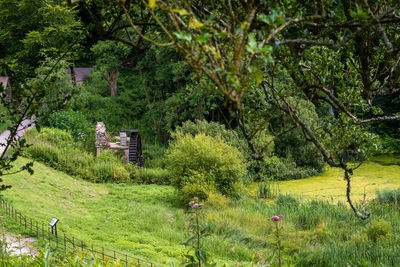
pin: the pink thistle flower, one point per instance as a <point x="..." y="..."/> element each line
<point x="275" y="218"/>
<point x="197" y="205"/>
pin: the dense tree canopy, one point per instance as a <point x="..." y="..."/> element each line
<point x="338" y="55"/>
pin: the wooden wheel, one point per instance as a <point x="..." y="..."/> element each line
<point x="135" y="149"/>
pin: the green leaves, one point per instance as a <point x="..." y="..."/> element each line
<point x="251" y="44"/>
<point x="203" y="37"/>
<point x="183" y="36"/>
<point x="258" y="77"/>
<point x="275" y="17"/>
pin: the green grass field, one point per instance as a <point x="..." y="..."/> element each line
<point x="147" y="221"/>
<point x="381" y="172"/>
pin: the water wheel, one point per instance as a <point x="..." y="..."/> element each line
<point x="135" y="148"/>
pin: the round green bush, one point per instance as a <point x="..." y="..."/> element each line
<point x="201" y="164"/>
<point x="378" y="229"/>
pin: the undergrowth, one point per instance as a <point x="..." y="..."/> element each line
<point x="58" y="149"/>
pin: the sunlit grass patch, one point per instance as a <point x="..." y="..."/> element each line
<point x="330" y="185"/>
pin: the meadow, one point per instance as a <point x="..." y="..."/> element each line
<point x="147" y="220"/>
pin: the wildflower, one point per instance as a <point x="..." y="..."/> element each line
<point x="275" y="218"/>
<point x="197" y="205"/>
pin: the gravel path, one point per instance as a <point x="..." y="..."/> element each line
<point x="20" y="246"/>
<point x="23" y="127"/>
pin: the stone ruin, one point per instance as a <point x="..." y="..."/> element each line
<point x="132" y="149"/>
<point x="102" y="139"/>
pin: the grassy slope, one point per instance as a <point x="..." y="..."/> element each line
<point x="139" y="219"/>
<point x="144" y="220"/>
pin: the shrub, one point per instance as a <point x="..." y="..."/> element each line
<point x="212" y="129"/>
<point x="202" y="164"/>
<point x="152" y="176"/>
<point x="286" y="169"/>
<point x="71" y="121"/>
<point x="390" y="196"/>
<point x="378" y="229"/>
<point x="293" y="146"/>
<point x="154" y="156"/>
<point x="52" y="136"/>
<point x="389" y="144"/>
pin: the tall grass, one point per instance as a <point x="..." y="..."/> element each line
<point x="147" y="221"/>
<point x="57" y="149"/>
<point x="389" y="196"/>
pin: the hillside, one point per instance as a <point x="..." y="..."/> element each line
<point x="146" y="220"/>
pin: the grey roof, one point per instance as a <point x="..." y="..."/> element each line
<point x="81" y="74"/>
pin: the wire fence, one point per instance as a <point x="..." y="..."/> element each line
<point x="63" y="241"/>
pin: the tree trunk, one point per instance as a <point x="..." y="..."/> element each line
<point x="73" y="74"/>
<point x="199" y="109"/>
<point x="111" y="78"/>
<point x="113" y="82"/>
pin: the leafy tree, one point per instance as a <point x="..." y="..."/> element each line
<point x="337" y="53"/>
<point x="59" y="88"/>
<point x="109" y="56"/>
<point x="31" y="31"/>
<point x="35" y="36"/>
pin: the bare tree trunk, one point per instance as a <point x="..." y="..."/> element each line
<point x="113" y="82"/>
<point x="199" y="109"/>
<point x="111" y="78"/>
<point x="73" y="74"/>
